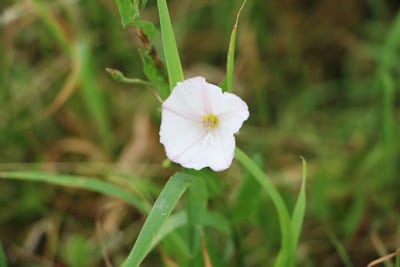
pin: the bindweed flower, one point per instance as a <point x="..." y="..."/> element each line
<point x="198" y="123"/>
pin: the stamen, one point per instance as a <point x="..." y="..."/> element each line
<point x="210" y="121"/>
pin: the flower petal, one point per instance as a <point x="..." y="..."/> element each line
<point x="185" y="98"/>
<point x="178" y="133"/>
<point x="234" y="112"/>
<point x="213" y="150"/>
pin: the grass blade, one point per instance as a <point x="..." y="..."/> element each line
<point x="197" y="210"/>
<point x="286" y="255"/>
<point x="387" y="56"/>
<point x="300" y="207"/>
<point x="77" y="182"/>
<point x="173" y="222"/>
<point x="93" y="97"/>
<point x="340" y="248"/>
<point x="162" y="208"/>
<point x="231" y="52"/>
<point x="3" y="259"/>
<point x="172" y="60"/>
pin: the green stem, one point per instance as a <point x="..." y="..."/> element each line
<point x="119" y="76"/>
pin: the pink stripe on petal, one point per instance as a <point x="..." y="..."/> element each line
<point x="176" y="159"/>
<point x="206" y="100"/>
<point x="187" y="116"/>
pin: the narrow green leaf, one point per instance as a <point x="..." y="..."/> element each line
<point x="231" y="52"/>
<point x="287" y="253"/>
<point x="172" y="60"/>
<point x="162" y="208"/>
<point x="77" y="182"/>
<point x="247" y="200"/>
<point x="52" y="24"/>
<point x="3" y="259"/>
<point x="128" y="10"/>
<point x="231" y="61"/>
<point x="389" y="140"/>
<point x="93" y="96"/>
<point x="211" y="219"/>
<point x="197" y="209"/>
<point x="387" y="57"/>
<point x="340" y="248"/>
<point x="172" y="223"/>
<point x="175" y="246"/>
<point x="300" y="206"/>
<point x="76" y="251"/>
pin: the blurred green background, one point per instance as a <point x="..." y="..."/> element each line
<point x="321" y="79"/>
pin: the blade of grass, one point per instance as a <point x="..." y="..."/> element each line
<point x="172" y="60"/>
<point x="248" y="197"/>
<point x="389" y="129"/>
<point x="3" y="259"/>
<point x="173" y="222"/>
<point x="197" y="209"/>
<point x="78" y="182"/>
<point x="300" y="207"/>
<point x="174" y="246"/>
<point x="287" y="252"/>
<point x="387" y="57"/>
<point x="93" y="98"/>
<point x="341" y="250"/>
<point x="52" y="24"/>
<point x="162" y="208"/>
<point x="231" y="52"/>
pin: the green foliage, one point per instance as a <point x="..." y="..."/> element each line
<point x="289" y="229"/>
<point x="300" y="207"/>
<point x="3" y="259"/>
<point x="173" y="62"/>
<point x="129" y="11"/>
<point x="77" y="182"/>
<point x="231" y="53"/>
<point x="197" y="209"/>
<point x="154" y="74"/>
<point x="321" y="81"/>
<point x="158" y="215"/>
<point x="93" y="97"/>
<point x="78" y="252"/>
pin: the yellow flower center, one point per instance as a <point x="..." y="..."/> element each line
<point x="210" y="121"/>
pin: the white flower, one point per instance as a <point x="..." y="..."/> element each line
<point x="198" y="123"/>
